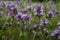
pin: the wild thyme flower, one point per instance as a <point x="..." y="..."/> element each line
<point x="2" y="4"/>
<point x="52" y="6"/>
<point x="14" y="10"/>
<point x="11" y="14"/>
<point x="35" y="25"/>
<point x="45" y="29"/>
<point x="39" y="11"/>
<point x="50" y="14"/>
<point x="18" y="16"/>
<point x="9" y="4"/>
<point x="43" y="22"/>
<point x="56" y="33"/>
<point x="25" y="17"/>
<point x="24" y="10"/>
<point x="40" y="8"/>
<point x="57" y="11"/>
<point x="52" y="34"/>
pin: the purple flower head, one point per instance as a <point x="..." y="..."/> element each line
<point x="24" y="10"/>
<point x="52" y="34"/>
<point x="55" y="33"/>
<point x="39" y="11"/>
<point x="40" y="8"/>
<point x="25" y="17"/>
<point x="43" y="22"/>
<point x="56" y="11"/>
<point x="35" y="25"/>
<point x="18" y="16"/>
<point x="10" y="4"/>
<point x="45" y="29"/>
<point x="2" y="4"/>
<point x="11" y="14"/>
<point x="52" y="6"/>
<point x="14" y="10"/>
<point x="50" y="14"/>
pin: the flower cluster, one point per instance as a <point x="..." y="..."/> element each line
<point x="22" y="16"/>
<point x="39" y="10"/>
<point x="34" y="17"/>
<point x="50" y="14"/>
<point x="56" y="33"/>
<point x="43" y="22"/>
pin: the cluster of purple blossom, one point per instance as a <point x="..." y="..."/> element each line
<point x="38" y="11"/>
<point x="56" y="33"/>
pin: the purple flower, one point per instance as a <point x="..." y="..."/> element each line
<point x="24" y="10"/>
<point x="2" y="4"/>
<point x="25" y="17"/>
<point x="18" y="16"/>
<point x="56" y="11"/>
<point x="14" y="10"/>
<point x="43" y="22"/>
<point x="40" y="8"/>
<point x="9" y="4"/>
<point x="55" y="33"/>
<point x="35" y="25"/>
<point x="50" y="14"/>
<point x="45" y="29"/>
<point x="52" y="34"/>
<point x="39" y="11"/>
<point x="52" y="5"/>
<point x="11" y="14"/>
